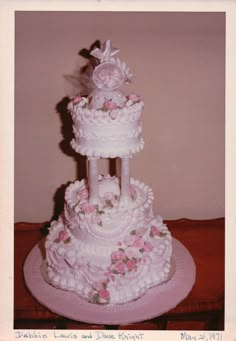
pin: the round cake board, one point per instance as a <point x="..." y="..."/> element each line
<point x="157" y="301"/>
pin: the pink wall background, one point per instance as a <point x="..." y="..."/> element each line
<point x="178" y="62"/>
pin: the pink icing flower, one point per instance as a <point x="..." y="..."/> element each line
<point x="97" y="285"/>
<point x="109" y="105"/>
<point x="118" y="255"/>
<point x="104" y="294"/>
<point x="87" y="208"/>
<point x="131" y="252"/>
<point x="63" y="235"/>
<point x="120" y="267"/>
<point x="83" y="193"/>
<point x="155" y="231"/>
<point x="133" y="97"/>
<point x="148" y="247"/>
<point x="138" y="242"/>
<point x="129" y="240"/>
<point x="76" y="99"/>
<point x="130" y="264"/>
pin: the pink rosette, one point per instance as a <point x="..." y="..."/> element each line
<point x="83" y="193"/>
<point x="104" y="294"/>
<point x="76" y="99"/>
<point x="133" y="97"/>
<point x="155" y="231"/>
<point x="110" y="105"/>
<point x="118" y="255"/>
<point x="139" y="243"/>
<point x="63" y="235"/>
<point x="148" y="247"/>
<point x="87" y="208"/>
<point x="129" y="240"/>
<point x="132" y="252"/>
<point x="119" y="267"/>
<point x="130" y="264"/>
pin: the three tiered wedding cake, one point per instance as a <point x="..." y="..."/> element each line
<point x="107" y="246"/>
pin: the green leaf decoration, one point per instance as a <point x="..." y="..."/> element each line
<point x="99" y="211"/>
<point x="57" y="240"/>
<point x="141" y="250"/>
<point x="151" y="234"/>
<point x="115" y="272"/>
<point x="67" y="240"/>
<point x="133" y="232"/>
<point x="96" y="298"/>
<point x="163" y="234"/>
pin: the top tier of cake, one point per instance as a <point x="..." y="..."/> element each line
<point x="107" y="123"/>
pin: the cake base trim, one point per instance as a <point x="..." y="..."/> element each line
<point x="157" y="301"/>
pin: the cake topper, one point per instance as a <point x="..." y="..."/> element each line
<point x="108" y="76"/>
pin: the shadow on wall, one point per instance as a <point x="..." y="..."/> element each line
<point x="80" y="160"/>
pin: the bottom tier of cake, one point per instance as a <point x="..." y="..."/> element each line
<point x="112" y="273"/>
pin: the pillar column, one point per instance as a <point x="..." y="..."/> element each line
<point x="125" y="180"/>
<point x="93" y="181"/>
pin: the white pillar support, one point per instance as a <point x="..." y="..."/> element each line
<point x="125" y="181"/>
<point x="93" y="181"/>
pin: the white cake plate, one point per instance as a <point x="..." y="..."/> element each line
<point x="155" y="302"/>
